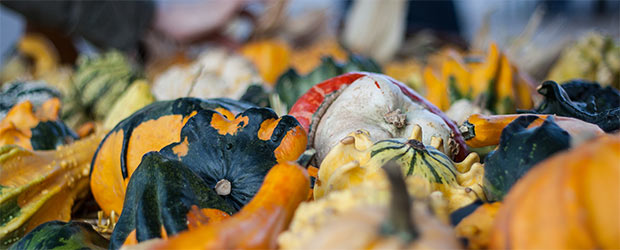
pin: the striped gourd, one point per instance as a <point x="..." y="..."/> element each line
<point x="356" y="160"/>
<point x="97" y="83"/>
<point x="15" y="92"/>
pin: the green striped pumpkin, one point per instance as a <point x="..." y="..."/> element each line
<point x="97" y="83"/>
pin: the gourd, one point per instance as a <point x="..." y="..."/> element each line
<point x="356" y="160"/>
<point x="62" y="235"/>
<point x="271" y="57"/>
<point x="97" y="83"/>
<point x="408" y="72"/>
<point x="490" y="80"/>
<point x="159" y="198"/>
<point x="258" y="224"/>
<point x="16" y="92"/>
<point x="476" y="227"/>
<point x="582" y="100"/>
<point x="375" y="103"/>
<point x="306" y="59"/>
<point x="136" y="97"/>
<point x="205" y="135"/>
<point x="291" y="85"/>
<point x="40" y="186"/>
<point x="39" y="130"/>
<point x="519" y="149"/>
<point x="368" y="218"/>
<point x="570" y="200"/>
<point x="215" y="73"/>
<point x="485" y="130"/>
<point x="594" y="57"/>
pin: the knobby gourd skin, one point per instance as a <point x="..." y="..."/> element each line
<point x="40" y="186"/>
<point x="206" y="136"/>
<point x="568" y="201"/>
<point x="370" y="217"/>
<point x="259" y="223"/>
<point x="357" y="160"/>
<point x="39" y="130"/>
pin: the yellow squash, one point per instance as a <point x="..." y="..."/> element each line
<point x="357" y="160"/>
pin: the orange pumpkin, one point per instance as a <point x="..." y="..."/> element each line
<point x="571" y="200"/>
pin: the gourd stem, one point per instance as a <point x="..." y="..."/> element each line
<point x="306" y="157"/>
<point x="223" y="187"/>
<point x="400" y="221"/>
<point x="467" y="130"/>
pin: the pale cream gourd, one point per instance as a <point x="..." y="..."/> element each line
<point x="377" y="106"/>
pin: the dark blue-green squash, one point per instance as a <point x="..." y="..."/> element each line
<point x="160" y="193"/>
<point x="62" y="235"/>
<point x="230" y="154"/>
<point x="585" y="101"/>
<point x="48" y="135"/>
<point x="519" y="150"/>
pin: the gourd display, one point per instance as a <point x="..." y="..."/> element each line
<point x="215" y="73"/>
<point x="582" y="100"/>
<point x="205" y="135"/>
<point x="16" y="92"/>
<point x="97" y="83"/>
<point x="570" y="200"/>
<point x="283" y="137"/>
<point x="258" y="224"/>
<point x="385" y="108"/>
<point x="39" y="130"/>
<point x="368" y="218"/>
<point x="490" y="80"/>
<point x="62" y="235"/>
<point x="356" y="160"/>
<point x="40" y="186"/>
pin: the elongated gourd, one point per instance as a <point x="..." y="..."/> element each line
<point x="485" y="130"/>
<point x="40" y="186"/>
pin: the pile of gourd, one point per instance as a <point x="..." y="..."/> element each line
<point x="196" y="157"/>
